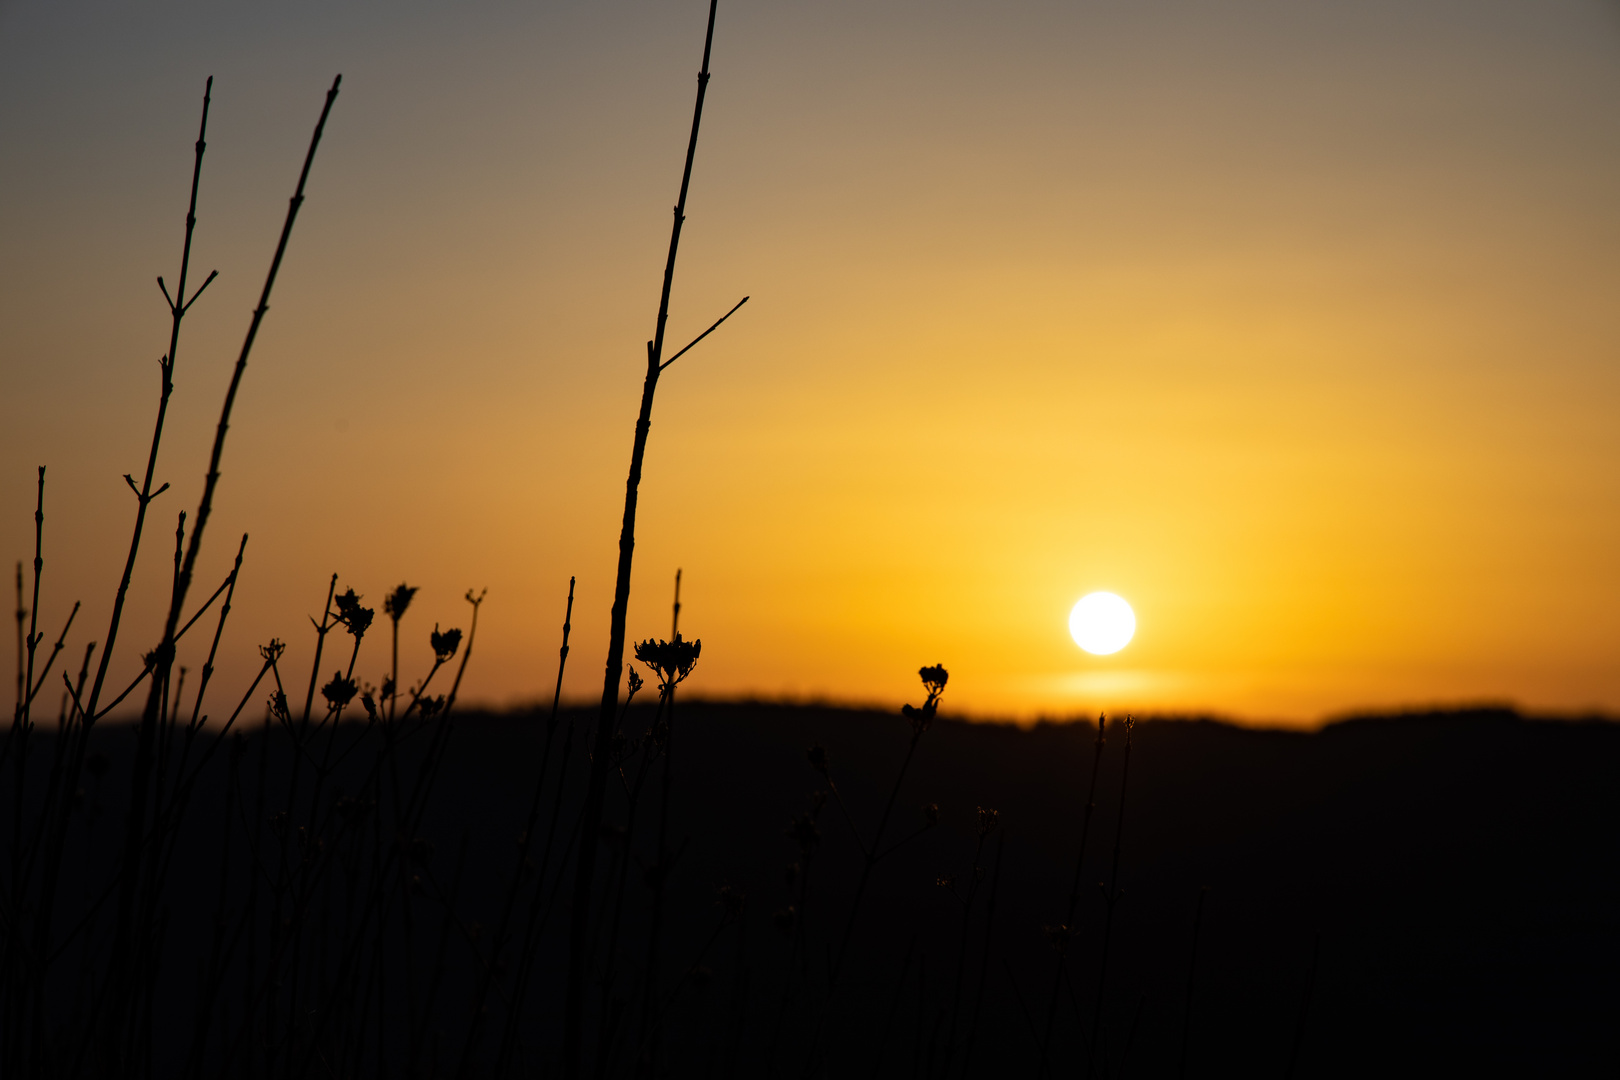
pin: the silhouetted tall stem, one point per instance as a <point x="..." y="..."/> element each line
<point x="178" y="306"/>
<point x="984" y="958"/>
<point x="123" y="936"/>
<point x="585" y="873"/>
<point x="1112" y="897"/>
<point x="539" y="910"/>
<point x="871" y="861"/>
<point x="21" y="614"/>
<point x="498" y="942"/>
<point x="871" y="858"/>
<point x="33" y="614"/>
<point x="55" y="816"/>
<point x="617" y="878"/>
<point x="649" y="1029"/>
<point x="323" y="628"/>
<point x="1074" y="897"/>
<point x="219" y="630"/>
<point x="961" y="954"/>
<point x="985" y="825"/>
<point x="649" y="1033"/>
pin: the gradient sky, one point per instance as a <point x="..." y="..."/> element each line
<point x="1296" y="324"/>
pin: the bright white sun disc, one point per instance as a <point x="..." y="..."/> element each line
<point x="1102" y="623"/>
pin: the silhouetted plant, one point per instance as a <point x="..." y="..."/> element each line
<point x="116" y="1021"/>
<point x="1060" y="934"/>
<point x="525" y="841"/>
<point x="394" y="606"/>
<point x="585" y="869"/>
<point x="933" y="679"/>
<point x="1111" y="898"/>
<point x="339" y="692"/>
<point x="986" y="824"/>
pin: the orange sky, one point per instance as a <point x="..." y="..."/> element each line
<point x="1293" y="324"/>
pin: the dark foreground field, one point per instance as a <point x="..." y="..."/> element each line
<point x="1457" y="877"/>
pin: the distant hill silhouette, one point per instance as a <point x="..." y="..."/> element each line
<point x="1461" y="868"/>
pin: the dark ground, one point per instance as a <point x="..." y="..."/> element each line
<point x="1458" y="875"/>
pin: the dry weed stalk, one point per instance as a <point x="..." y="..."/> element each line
<point x="116" y="1005"/>
<point x="591" y="819"/>
<point x="1063" y="933"/>
<point x="1111" y="896"/>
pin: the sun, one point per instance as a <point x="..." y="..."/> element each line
<point x="1102" y="623"/>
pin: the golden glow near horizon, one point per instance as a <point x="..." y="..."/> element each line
<point x="1293" y="324"/>
<point x="1102" y="623"/>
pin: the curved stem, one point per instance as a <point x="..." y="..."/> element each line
<point x="585" y="872"/>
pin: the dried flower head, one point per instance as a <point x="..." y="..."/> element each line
<point x="987" y="821"/>
<point x="370" y="705"/>
<point x="395" y="603"/>
<point x="444" y="644"/>
<point x="635" y="683"/>
<point x="340" y="691"/>
<point x="671" y="661"/>
<point x="272" y="652"/>
<point x="279" y="707"/>
<point x="428" y="706"/>
<point x="934" y="679"/>
<point x="818" y="758"/>
<point x="1058" y="938"/>
<point x="945" y="881"/>
<point x="803" y="832"/>
<point x="355" y="618"/>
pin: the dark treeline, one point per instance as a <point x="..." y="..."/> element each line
<point x="1454" y="874"/>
